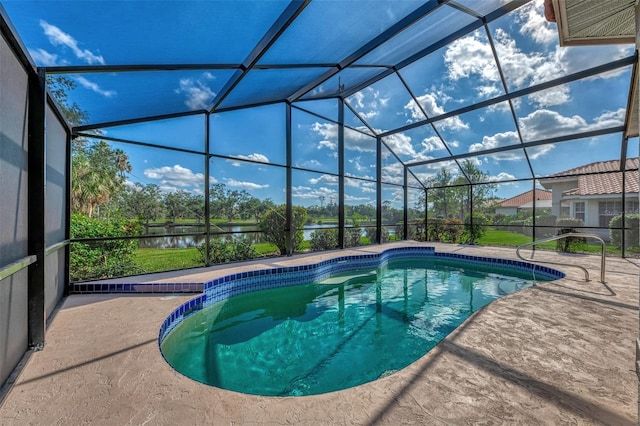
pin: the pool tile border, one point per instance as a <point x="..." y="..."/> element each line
<point x="244" y="282"/>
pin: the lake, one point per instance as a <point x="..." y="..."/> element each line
<point x="251" y="232"/>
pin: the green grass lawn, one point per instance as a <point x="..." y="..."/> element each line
<point x="495" y="237"/>
<point x="154" y="260"/>
<point x="265" y="249"/>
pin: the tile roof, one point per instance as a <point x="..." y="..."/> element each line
<point x="593" y="178"/>
<point x="608" y="183"/>
<point x="598" y="167"/>
<point x="526" y="197"/>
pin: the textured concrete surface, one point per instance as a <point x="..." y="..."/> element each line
<point x="558" y="353"/>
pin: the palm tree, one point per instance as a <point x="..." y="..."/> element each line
<point x="97" y="174"/>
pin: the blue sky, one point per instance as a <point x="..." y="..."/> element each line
<point x="455" y="76"/>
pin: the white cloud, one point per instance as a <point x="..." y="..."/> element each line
<point x="353" y="140"/>
<point x="245" y="185"/>
<point x="576" y="58"/>
<point x="347" y="174"/>
<point x="610" y="119"/>
<point x="94" y="87"/>
<point x="543" y="123"/>
<point x="57" y="37"/>
<point x="488" y="91"/>
<point x="329" y="134"/>
<point x="357" y="164"/>
<point x="400" y="144"/>
<point x="495" y="141"/>
<point x="429" y="103"/>
<point x="509" y="139"/>
<point x="558" y="95"/>
<point x="533" y="23"/>
<point x="393" y="173"/>
<point x="367" y="102"/>
<point x="174" y="177"/>
<point x="520" y="68"/>
<point x="432" y="143"/>
<point x="44" y="58"/>
<point x="353" y="198"/>
<point x="501" y="177"/>
<point x="331" y="146"/>
<point x="304" y="192"/>
<point x="311" y="164"/>
<point x="327" y="179"/>
<point x="363" y="186"/>
<point x="471" y="56"/>
<point x="197" y="91"/>
<point x="357" y="141"/>
<point x="253" y="157"/>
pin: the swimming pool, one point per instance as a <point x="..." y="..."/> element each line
<point x="332" y="325"/>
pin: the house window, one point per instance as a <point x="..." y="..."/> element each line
<point x="610" y="209"/>
<point x="578" y="212"/>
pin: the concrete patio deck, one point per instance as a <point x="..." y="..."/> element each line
<point x="558" y="353"/>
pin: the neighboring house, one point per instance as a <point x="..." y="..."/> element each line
<point x="593" y="192"/>
<point x="524" y="202"/>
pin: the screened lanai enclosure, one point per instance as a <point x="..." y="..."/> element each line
<point x="141" y="137"/>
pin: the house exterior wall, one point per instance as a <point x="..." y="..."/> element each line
<point x="556" y="194"/>
<point x="509" y="211"/>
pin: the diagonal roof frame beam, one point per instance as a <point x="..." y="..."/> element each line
<point x="76" y="69"/>
<point x="288" y="16"/>
<point x="424" y="10"/>
<point x="433" y="127"/>
<point x="510" y="100"/>
<point x="94" y="69"/>
<point x="498" y="13"/>
<point x="620" y="63"/>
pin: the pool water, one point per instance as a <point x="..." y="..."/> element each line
<point x="343" y="331"/>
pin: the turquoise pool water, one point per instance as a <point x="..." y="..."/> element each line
<point x="345" y="330"/>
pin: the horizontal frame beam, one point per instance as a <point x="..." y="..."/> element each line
<point x="16" y="266"/>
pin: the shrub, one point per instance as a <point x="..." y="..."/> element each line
<point x="475" y="231"/>
<point x="435" y="229"/>
<point x="545" y="225"/>
<point x="102" y="259"/>
<point x="372" y="234"/>
<point x="631" y="231"/>
<point x="570" y="244"/>
<point x="453" y="229"/>
<point x="417" y="230"/>
<point x="500" y="219"/>
<point x="324" y="239"/>
<point x="352" y="236"/>
<point x="274" y="227"/>
<point x="230" y="250"/>
<point x="516" y="225"/>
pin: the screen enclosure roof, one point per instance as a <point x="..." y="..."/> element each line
<point x="440" y="82"/>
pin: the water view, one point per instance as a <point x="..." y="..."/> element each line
<point x="248" y="231"/>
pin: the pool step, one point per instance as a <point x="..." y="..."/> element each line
<point x="350" y="277"/>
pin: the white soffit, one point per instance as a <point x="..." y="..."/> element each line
<point x="584" y="22"/>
